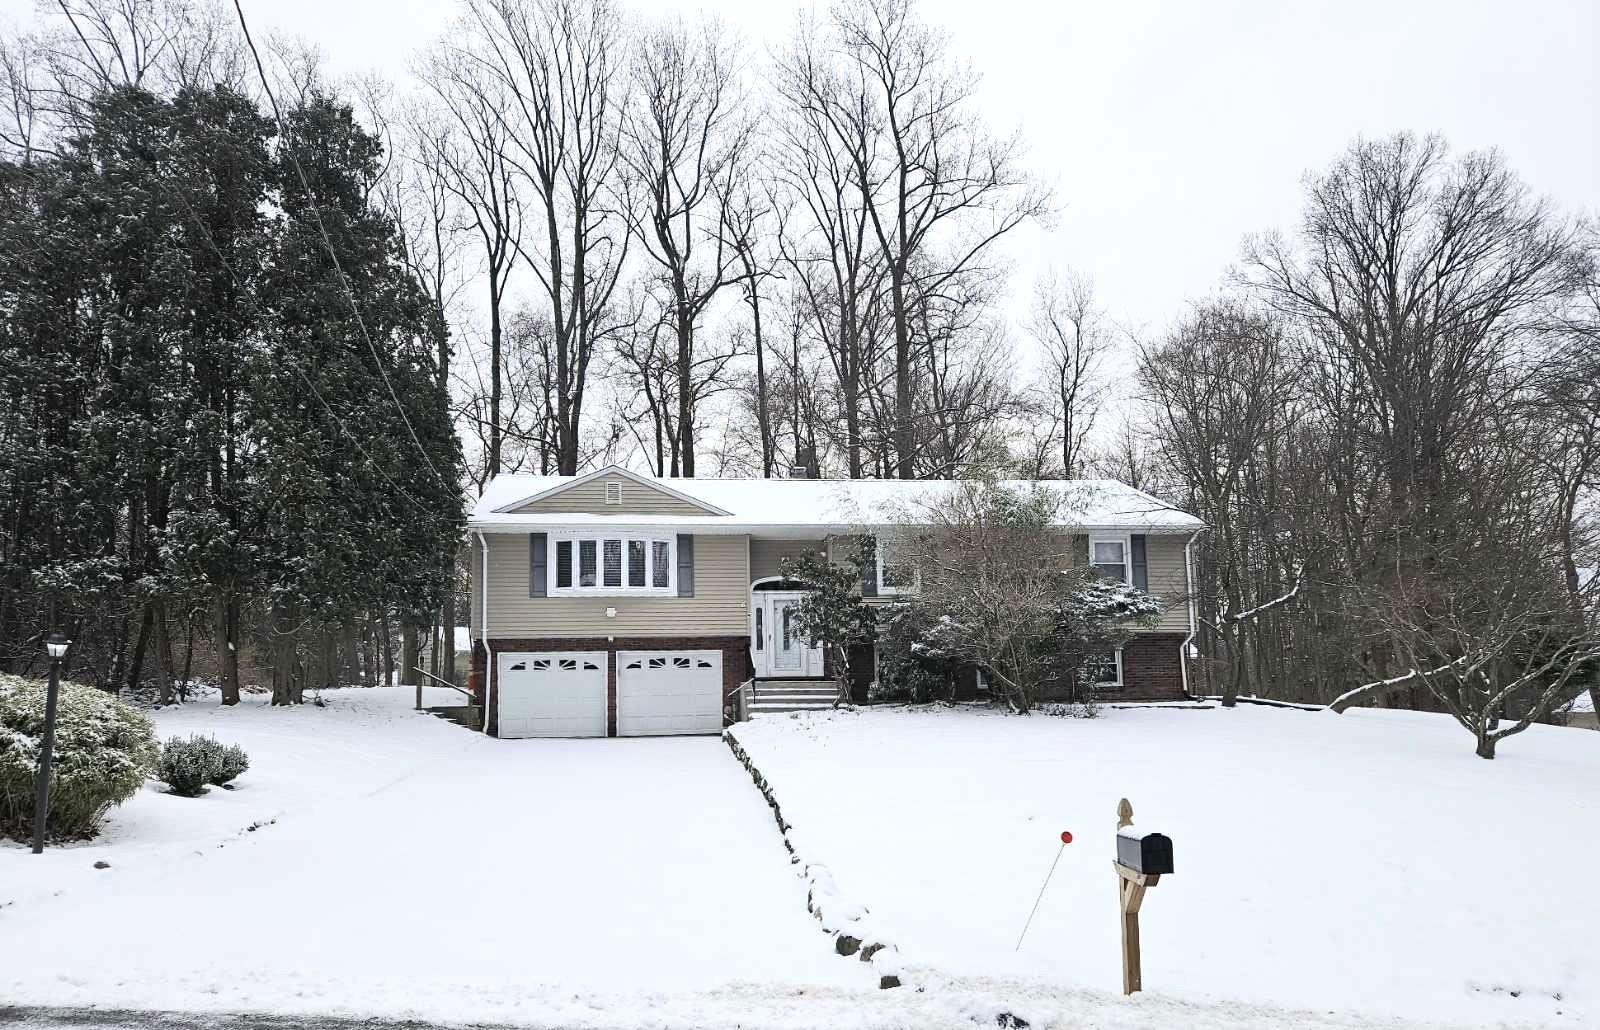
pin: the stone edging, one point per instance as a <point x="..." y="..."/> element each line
<point x="841" y="919"/>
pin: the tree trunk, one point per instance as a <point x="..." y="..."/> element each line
<point x="386" y="646"/>
<point x="1485" y="747"/>
<point x="188" y="658"/>
<point x="136" y="666"/>
<point x="163" y="658"/>
<point x="494" y="373"/>
<point x="904" y="435"/>
<point x="685" y="390"/>
<point x="408" y="654"/>
<point x="449" y="656"/>
<point x="228" y="648"/>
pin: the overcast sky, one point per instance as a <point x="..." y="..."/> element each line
<point x="1171" y="129"/>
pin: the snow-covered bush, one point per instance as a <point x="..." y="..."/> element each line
<point x="104" y="749"/>
<point x="999" y="592"/>
<point x="189" y="765"/>
<point x="231" y="763"/>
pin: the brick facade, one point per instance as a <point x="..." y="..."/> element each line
<point x="735" y="650"/>
<point x="1151" y="668"/>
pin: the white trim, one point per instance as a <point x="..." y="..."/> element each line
<point x="483" y="627"/>
<point x="599" y="535"/>
<point x="1126" y="540"/>
<point x="613" y="470"/>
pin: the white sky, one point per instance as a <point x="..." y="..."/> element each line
<point x="1170" y="129"/>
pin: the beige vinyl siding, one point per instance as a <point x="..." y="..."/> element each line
<point x="720" y="604"/>
<point x="590" y="499"/>
<point x="767" y="555"/>
<point x="1169" y="580"/>
<point x="1164" y="572"/>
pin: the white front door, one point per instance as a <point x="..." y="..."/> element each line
<point x="775" y="644"/>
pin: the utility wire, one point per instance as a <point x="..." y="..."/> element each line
<point x="327" y="241"/>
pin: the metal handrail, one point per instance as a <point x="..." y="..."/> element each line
<point x="441" y="682"/>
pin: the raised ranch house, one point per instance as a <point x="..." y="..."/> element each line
<point x="615" y="604"/>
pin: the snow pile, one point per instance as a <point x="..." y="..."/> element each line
<point x="1367" y="864"/>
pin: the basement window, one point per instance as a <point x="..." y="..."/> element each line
<point x="1103" y="671"/>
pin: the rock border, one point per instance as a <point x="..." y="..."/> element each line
<point x="844" y="921"/>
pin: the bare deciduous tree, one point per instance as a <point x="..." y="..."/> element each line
<point x="681" y="142"/>
<point x="1069" y="331"/>
<point x="938" y="189"/>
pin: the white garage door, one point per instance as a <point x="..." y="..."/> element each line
<point x="662" y="692"/>
<point x="553" y="694"/>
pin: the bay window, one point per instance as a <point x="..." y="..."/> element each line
<point x="617" y="562"/>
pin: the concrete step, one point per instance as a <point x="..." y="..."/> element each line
<point x="760" y="709"/>
<point x="469" y="716"/>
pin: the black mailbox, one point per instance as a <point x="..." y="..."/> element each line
<point x="1144" y="852"/>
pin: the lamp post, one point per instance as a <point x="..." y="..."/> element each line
<point x="57" y="646"/>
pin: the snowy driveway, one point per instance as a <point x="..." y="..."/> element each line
<point x="494" y="870"/>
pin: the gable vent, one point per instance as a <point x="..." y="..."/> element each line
<point x="613" y="492"/>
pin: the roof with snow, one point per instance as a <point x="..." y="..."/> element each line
<point x="802" y="506"/>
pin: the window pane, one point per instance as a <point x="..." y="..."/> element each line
<point x="1109" y="558"/>
<point x="760" y="634"/>
<point x="636" y="563"/>
<point x="613" y="565"/>
<point x="563" y="563"/>
<point x="586" y="563"/>
<point x="661" y="559"/>
<point x="1108" y="552"/>
<point x="787" y="643"/>
<point x="1101" y="668"/>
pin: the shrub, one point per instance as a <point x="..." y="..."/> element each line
<point x="231" y="762"/>
<point x="104" y="749"/>
<point x="189" y="765"/>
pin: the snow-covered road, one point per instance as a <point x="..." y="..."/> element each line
<point x="429" y="857"/>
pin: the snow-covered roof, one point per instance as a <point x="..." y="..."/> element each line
<point x="799" y="506"/>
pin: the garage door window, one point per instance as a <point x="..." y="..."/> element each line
<point x="621" y="564"/>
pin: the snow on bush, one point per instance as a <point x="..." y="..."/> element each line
<point x="189" y="765"/>
<point x="104" y="749"/>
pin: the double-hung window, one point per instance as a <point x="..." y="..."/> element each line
<point x="613" y="563"/>
<point x="1103" y="669"/>
<point x="1109" y="554"/>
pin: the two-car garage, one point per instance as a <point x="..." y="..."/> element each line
<point x="567" y="693"/>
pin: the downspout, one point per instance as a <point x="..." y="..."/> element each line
<point x="483" y="609"/>
<point x="1194" y="616"/>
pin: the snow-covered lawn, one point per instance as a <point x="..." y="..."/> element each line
<point x="403" y="867"/>
<point x="1359" y="864"/>
<point x="404" y="864"/>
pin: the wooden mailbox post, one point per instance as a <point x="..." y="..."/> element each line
<point x="1142" y="858"/>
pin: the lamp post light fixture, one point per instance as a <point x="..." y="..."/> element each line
<point x="57" y="646"/>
